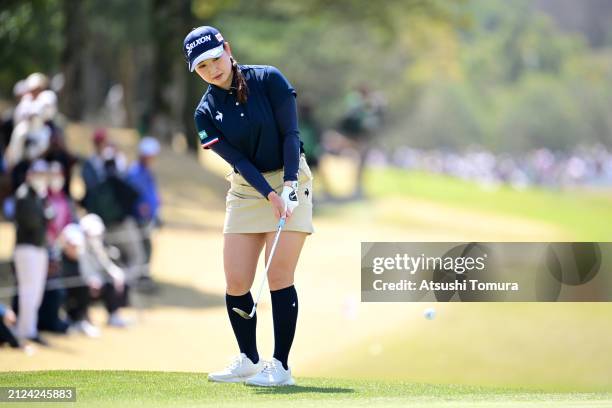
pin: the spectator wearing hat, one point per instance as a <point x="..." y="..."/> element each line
<point x="58" y="152"/>
<point x="30" y="137"/>
<point x="24" y="100"/>
<point x="36" y="83"/>
<point x="32" y="124"/>
<point x="32" y="117"/>
<point x="93" y="168"/>
<point x="78" y="297"/>
<point x="31" y="257"/>
<point x="114" y="200"/>
<point x="105" y="279"/>
<point x="142" y="178"/>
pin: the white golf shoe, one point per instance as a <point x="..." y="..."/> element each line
<point x="238" y="370"/>
<point x="273" y="374"/>
<point x="86" y="328"/>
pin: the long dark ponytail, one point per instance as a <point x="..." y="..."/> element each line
<point x="242" y="90"/>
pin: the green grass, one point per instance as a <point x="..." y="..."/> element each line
<point x="586" y="216"/>
<point x="556" y="347"/>
<point x="134" y="388"/>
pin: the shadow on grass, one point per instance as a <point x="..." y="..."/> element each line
<point x="298" y="389"/>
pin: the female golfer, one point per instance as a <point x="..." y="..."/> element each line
<point x="248" y="117"/>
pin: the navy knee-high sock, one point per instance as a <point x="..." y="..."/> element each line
<point x="244" y="329"/>
<point x="284" y="314"/>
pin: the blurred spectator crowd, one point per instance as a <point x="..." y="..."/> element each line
<point x="584" y="166"/>
<point x="70" y="252"/>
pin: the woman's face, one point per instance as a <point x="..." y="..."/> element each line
<point x="217" y="71"/>
<point x="56" y="181"/>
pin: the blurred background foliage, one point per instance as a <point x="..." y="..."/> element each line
<point x="509" y="76"/>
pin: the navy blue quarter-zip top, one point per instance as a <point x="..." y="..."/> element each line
<point x="258" y="136"/>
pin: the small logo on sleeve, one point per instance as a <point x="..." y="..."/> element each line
<point x="219" y="116"/>
<point x="205" y="140"/>
<point x="203" y="135"/>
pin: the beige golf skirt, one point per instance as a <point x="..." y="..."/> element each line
<point x="246" y="211"/>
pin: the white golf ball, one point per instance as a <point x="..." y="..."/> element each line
<point x="429" y="313"/>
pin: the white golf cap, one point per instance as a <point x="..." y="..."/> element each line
<point x="39" y="166"/>
<point x="36" y="80"/>
<point x="212" y="53"/>
<point x="92" y="225"/>
<point x="148" y="146"/>
<point x="73" y="234"/>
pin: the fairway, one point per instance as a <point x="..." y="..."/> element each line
<point x="578" y="215"/>
<point x="151" y="389"/>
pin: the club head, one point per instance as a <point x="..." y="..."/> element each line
<point x="244" y="314"/>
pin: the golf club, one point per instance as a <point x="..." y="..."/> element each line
<point x="242" y="313"/>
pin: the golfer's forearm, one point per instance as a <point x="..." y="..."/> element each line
<point x="254" y="177"/>
<point x="286" y="118"/>
<point x="243" y="165"/>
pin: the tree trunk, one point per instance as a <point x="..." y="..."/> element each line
<point x="75" y="33"/>
<point x="172" y="99"/>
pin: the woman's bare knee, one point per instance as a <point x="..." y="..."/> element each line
<point x="278" y="280"/>
<point x="236" y="288"/>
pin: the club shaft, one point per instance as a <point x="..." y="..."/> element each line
<point x="265" y="278"/>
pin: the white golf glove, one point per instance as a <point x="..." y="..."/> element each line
<point x="290" y="196"/>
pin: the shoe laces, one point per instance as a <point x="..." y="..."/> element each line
<point x="236" y="362"/>
<point x="270" y="367"/>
